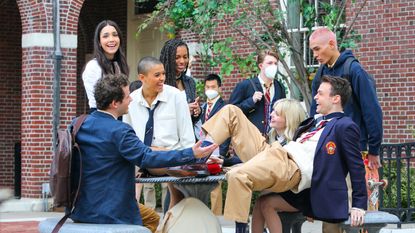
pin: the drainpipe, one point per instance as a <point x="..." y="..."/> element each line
<point x="57" y="58"/>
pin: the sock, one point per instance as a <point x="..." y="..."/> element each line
<point x="241" y="227"/>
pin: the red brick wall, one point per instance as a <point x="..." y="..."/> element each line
<point x="37" y="80"/>
<point x="92" y="13"/>
<point x="387" y="51"/>
<point x="10" y="89"/>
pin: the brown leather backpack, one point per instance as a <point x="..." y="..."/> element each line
<point x="63" y="192"/>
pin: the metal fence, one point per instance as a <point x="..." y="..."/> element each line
<point x="398" y="198"/>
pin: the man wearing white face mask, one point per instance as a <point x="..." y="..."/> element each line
<point x="214" y="103"/>
<point x="256" y="96"/>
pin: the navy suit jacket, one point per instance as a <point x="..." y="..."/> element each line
<point x="337" y="154"/>
<point x="242" y="97"/>
<point x="220" y="103"/>
<point x="110" y="151"/>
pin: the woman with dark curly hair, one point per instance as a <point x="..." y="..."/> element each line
<point x="175" y="57"/>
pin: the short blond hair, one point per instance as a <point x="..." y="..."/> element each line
<point x="325" y="34"/>
<point x="263" y="53"/>
<point x="293" y="113"/>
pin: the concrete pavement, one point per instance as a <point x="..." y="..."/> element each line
<point x="26" y="222"/>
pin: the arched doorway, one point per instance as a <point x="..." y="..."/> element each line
<point x="10" y="90"/>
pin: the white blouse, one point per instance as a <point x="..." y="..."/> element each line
<point x="90" y="76"/>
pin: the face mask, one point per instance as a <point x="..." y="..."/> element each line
<point x="211" y="94"/>
<point x="271" y="71"/>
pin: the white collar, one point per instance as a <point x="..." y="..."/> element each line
<point x="107" y="113"/>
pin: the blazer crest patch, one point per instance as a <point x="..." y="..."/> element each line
<point x="331" y="148"/>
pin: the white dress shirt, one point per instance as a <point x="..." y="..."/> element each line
<point x="173" y="128"/>
<point x="90" y="76"/>
<point x="264" y="89"/>
<point x="303" y="156"/>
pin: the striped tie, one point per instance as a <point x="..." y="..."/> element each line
<point x="208" y="109"/>
<point x="313" y="131"/>
<point x="266" y="107"/>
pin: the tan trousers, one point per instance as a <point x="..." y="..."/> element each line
<point x="216" y="200"/>
<point x="149" y="217"/>
<point x="265" y="166"/>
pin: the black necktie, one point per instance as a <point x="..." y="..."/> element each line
<point x="148" y="136"/>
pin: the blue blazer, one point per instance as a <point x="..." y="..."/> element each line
<point x="337" y="154"/>
<point x="220" y="103"/>
<point x="242" y="97"/>
<point x="110" y="151"/>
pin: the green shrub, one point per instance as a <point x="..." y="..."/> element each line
<point x="390" y="195"/>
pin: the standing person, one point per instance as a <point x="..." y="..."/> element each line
<point x="363" y="107"/>
<point x="110" y="151"/>
<point x="317" y="159"/>
<point x="214" y="103"/>
<point x="257" y="95"/>
<point x="171" y="126"/>
<point x="108" y="58"/>
<point x="175" y="58"/>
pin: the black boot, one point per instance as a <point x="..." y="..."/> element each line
<point x="241" y="227"/>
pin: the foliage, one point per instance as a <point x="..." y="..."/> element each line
<point x="390" y="195"/>
<point x="412" y="129"/>
<point x="263" y="23"/>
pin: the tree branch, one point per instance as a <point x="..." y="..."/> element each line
<point x="353" y="21"/>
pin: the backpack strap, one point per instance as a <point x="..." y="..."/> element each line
<point x="253" y="84"/>
<point x="61" y="222"/>
<point x="77" y="125"/>
<point x="347" y="67"/>
<point x="75" y="130"/>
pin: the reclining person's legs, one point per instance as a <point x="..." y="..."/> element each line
<point x="230" y="121"/>
<point x="271" y="169"/>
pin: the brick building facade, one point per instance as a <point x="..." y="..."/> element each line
<point x="387" y="51"/>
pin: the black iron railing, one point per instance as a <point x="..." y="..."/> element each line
<point x="398" y="198"/>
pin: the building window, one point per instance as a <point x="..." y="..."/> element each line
<point x="144" y="6"/>
<point x="299" y="30"/>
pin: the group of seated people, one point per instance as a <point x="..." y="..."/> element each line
<point x="299" y="164"/>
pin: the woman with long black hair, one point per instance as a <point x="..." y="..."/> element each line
<point x="108" y="58"/>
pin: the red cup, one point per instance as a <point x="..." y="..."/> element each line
<point x="214" y="168"/>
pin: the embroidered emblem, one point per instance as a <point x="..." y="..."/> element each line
<point x="331" y="148"/>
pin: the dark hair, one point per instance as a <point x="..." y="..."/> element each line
<point x="106" y="65"/>
<point x="110" y="88"/>
<point x="168" y="58"/>
<point x="216" y="77"/>
<point x="134" y="85"/>
<point x="263" y="53"/>
<point x="146" y="63"/>
<point x="339" y="86"/>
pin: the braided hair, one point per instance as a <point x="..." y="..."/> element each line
<point x="107" y="65"/>
<point x="168" y="58"/>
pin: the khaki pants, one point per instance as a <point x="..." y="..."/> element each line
<point x="216" y="200"/>
<point x="265" y="166"/>
<point x="149" y="217"/>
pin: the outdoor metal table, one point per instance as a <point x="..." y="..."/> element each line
<point x="198" y="187"/>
